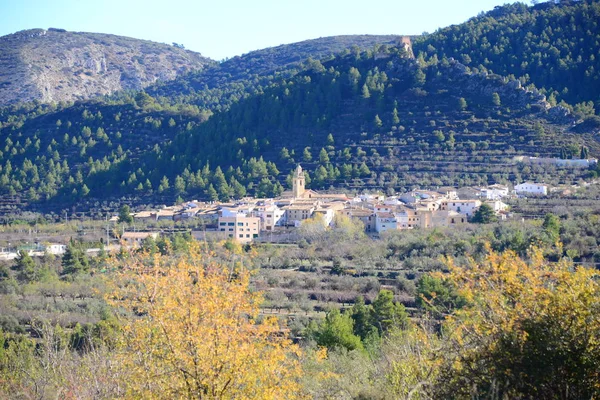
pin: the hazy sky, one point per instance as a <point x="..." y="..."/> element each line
<point x="225" y="28"/>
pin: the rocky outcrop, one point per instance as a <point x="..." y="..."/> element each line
<point x="56" y="65"/>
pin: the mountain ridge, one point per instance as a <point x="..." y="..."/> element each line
<point x="57" y="65"/>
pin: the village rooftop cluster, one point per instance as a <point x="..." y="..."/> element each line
<point x="250" y="219"/>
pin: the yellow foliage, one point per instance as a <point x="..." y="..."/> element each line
<point x="191" y="331"/>
<point x="530" y="328"/>
<point x="413" y="362"/>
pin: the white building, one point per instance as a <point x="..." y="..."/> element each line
<point x="495" y="192"/>
<point x="270" y="217"/>
<point x="56" y="249"/>
<point x="466" y="207"/>
<point x="497" y="205"/>
<point x="385" y="222"/>
<point x="531" y="188"/>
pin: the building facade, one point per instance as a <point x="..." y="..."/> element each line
<point x="241" y="228"/>
<point x="531" y="188"/>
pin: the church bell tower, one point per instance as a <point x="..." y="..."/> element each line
<point x="298" y="183"/>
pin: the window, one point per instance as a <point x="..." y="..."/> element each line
<point x="231" y="224"/>
<point x="247" y="235"/>
<point x="240" y="224"/>
<point x="222" y="223"/>
<point x="241" y="235"/>
<point x="222" y="229"/>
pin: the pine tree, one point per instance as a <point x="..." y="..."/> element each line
<point x="395" y="118"/>
<point x="27" y="270"/>
<point x="74" y="260"/>
<point x="365" y="92"/>
<point x="125" y="215"/>
<point x="484" y="215"/>
<point x="377" y="121"/>
<point x="211" y="193"/>
<point x="387" y="314"/>
<point x="306" y="156"/>
<point x="323" y="157"/>
<point x="496" y="99"/>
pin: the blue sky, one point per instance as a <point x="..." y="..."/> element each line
<point x="226" y="28"/>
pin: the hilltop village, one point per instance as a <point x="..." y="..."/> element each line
<point x="252" y="219"/>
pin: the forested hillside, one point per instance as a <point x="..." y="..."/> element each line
<point x="377" y="119"/>
<point x="48" y="147"/>
<point x="370" y="118"/>
<point x="218" y="87"/>
<point x="552" y="45"/>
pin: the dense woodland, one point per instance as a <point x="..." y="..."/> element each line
<point x="239" y="128"/>
<point x="549" y="45"/>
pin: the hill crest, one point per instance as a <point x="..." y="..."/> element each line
<point x="57" y="65"/>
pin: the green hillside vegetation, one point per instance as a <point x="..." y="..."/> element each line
<point x="376" y="305"/>
<point x="218" y="87"/>
<point x="49" y="148"/>
<point x="552" y="45"/>
<point x="373" y="119"/>
<point x="377" y="119"/>
<point x="364" y="119"/>
<point x="126" y="124"/>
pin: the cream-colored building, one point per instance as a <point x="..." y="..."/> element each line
<point x="296" y="213"/>
<point x="326" y="213"/>
<point x="466" y="207"/>
<point x="367" y="217"/>
<point x="409" y="219"/>
<point x="498" y="206"/>
<point x="241" y="228"/>
<point x="135" y="239"/>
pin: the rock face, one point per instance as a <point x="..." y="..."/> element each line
<point x="55" y="65"/>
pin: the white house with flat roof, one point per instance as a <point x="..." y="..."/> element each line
<point x="495" y="192"/>
<point x="530" y="188"/>
<point x="466" y="207"/>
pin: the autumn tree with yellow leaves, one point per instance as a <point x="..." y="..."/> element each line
<point x="529" y="329"/>
<point x="191" y="330"/>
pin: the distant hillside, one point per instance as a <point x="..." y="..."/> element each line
<point x="365" y="119"/>
<point x="49" y="147"/>
<point x="371" y="120"/>
<point x="217" y="88"/>
<point x="554" y="46"/>
<point x="55" y="65"/>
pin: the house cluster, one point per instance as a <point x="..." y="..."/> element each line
<point x="250" y="218"/>
<point x="34" y="250"/>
